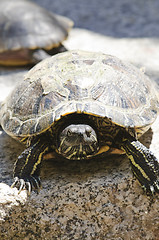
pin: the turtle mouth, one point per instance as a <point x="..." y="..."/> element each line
<point x="78" y="152"/>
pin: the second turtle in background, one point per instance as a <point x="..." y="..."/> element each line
<point x="29" y="33"/>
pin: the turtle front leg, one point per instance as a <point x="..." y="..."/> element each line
<point x="27" y="166"/>
<point x="144" y="165"/>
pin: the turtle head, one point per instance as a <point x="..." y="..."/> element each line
<point x="78" y="141"/>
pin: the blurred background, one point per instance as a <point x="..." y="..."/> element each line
<point x="122" y="18"/>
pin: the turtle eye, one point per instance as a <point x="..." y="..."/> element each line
<point x="69" y="133"/>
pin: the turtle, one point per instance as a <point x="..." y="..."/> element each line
<point x="30" y="33"/>
<point x="79" y="105"/>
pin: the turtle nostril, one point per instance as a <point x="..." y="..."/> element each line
<point x="80" y="135"/>
<point x="88" y="133"/>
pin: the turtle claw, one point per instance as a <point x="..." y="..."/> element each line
<point x="155" y="187"/>
<point x="152" y="188"/>
<point x="22" y="185"/>
<point x="16" y="180"/>
<point x="29" y="184"/>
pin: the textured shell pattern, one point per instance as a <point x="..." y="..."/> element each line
<point x="80" y="82"/>
<point x="22" y="31"/>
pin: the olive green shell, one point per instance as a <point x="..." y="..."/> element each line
<point x="80" y="82"/>
<point x="24" y="24"/>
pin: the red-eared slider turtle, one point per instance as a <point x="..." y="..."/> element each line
<point x="79" y="104"/>
<point x="28" y="32"/>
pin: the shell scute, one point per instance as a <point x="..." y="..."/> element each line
<point x="80" y="82"/>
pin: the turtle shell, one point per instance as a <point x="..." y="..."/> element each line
<point x="33" y="27"/>
<point x="80" y="82"/>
